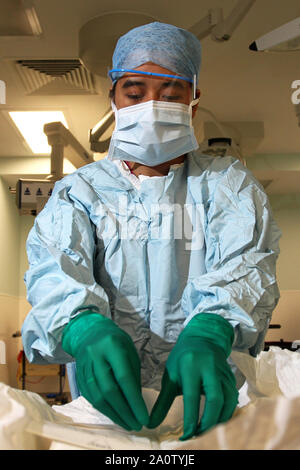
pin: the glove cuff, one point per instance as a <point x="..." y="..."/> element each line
<point x="84" y="326"/>
<point x="213" y="328"/>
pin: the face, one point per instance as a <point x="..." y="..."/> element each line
<point x="133" y="88"/>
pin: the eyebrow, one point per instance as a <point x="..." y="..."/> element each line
<point x="172" y="83"/>
<point x="130" y="83"/>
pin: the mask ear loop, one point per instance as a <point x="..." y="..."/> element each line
<point x="114" y="108"/>
<point x="195" y="99"/>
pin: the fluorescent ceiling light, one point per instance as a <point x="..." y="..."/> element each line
<point x="283" y="39"/>
<point x="33" y="20"/>
<point x="31" y="125"/>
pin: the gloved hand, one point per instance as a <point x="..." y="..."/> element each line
<point x="197" y="366"/>
<point x="107" y="368"/>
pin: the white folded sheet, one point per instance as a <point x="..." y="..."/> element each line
<point x="268" y="416"/>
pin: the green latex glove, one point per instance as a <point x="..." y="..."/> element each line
<point x="197" y="365"/>
<point x="107" y="368"/>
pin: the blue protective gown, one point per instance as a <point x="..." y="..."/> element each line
<point x="200" y="239"/>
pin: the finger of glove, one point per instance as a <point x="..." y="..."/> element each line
<point x="114" y="396"/>
<point x="191" y="387"/>
<point x="90" y="390"/>
<point x="164" y="401"/>
<point x="230" y="401"/>
<point x="214" y="401"/>
<point x="128" y="379"/>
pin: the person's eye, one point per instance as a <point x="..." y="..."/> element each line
<point x="134" y="97"/>
<point x="171" y="98"/>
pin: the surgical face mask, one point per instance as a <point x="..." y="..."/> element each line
<point x="153" y="132"/>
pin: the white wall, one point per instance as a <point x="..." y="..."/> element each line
<point x="9" y="281"/>
<point x="286" y="210"/>
<point x="9" y="241"/>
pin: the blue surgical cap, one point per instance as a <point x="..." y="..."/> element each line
<point x="163" y="44"/>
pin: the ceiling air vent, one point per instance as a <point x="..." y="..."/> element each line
<point x="54" y="68"/>
<point x="55" y="76"/>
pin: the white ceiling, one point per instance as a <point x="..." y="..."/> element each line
<point x="236" y="84"/>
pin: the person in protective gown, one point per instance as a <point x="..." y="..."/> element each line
<point x="147" y="268"/>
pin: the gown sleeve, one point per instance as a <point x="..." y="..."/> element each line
<point x="242" y="247"/>
<point x="60" y="280"/>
